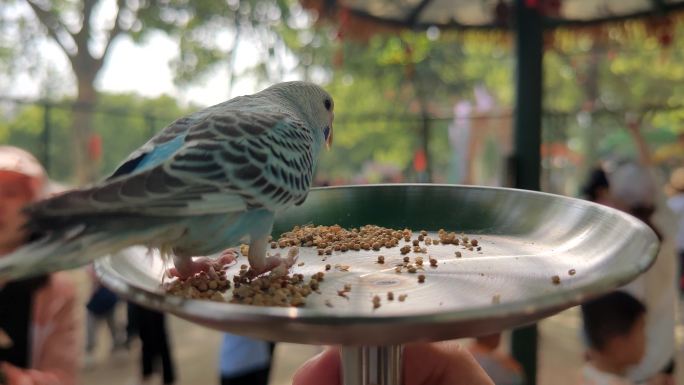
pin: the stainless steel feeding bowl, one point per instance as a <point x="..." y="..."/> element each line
<point x="527" y="238"/>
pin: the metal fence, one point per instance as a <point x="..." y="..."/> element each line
<point x="44" y="128"/>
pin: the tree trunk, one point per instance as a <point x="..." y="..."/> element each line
<point x="82" y="128"/>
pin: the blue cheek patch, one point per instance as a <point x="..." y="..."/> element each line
<point x="326" y="132"/>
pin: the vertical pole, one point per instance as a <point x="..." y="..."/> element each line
<point x="528" y="102"/>
<point x="372" y="365"/>
<point x="46" y="137"/>
<point x="527" y="159"/>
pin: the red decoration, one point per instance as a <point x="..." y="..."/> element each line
<point x="662" y="28"/>
<point x="345" y="18"/>
<point x="344" y="15"/>
<point x="551" y="8"/>
<point x="420" y="161"/>
<point x="502" y="14"/>
<point x="665" y="39"/>
<point x="95" y="147"/>
<point x="531" y="3"/>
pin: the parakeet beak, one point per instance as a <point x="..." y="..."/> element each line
<point x="329" y="138"/>
<point x="329" y="132"/>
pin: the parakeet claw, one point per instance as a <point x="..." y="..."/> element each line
<point x="277" y="264"/>
<point x="188" y="266"/>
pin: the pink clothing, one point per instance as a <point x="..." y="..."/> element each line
<point x="55" y="332"/>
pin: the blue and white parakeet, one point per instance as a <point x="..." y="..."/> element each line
<point x="205" y="183"/>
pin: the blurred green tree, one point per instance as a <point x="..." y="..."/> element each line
<point x="84" y="31"/>
<point x="123" y="121"/>
<point x="387" y="85"/>
<point x="395" y="93"/>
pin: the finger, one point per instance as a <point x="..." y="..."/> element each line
<point x="323" y="369"/>
<point x="444" y="363"/>
<point x="424" y="364"/>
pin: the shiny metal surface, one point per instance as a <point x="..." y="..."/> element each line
<point x="372" y="365"/>
<point x="526" y="237"/>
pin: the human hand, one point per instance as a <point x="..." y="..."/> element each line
<point x="661" y="379"/>
<point x="444" y="363"/>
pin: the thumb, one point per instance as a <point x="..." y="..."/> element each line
<point x="323" y="369"/>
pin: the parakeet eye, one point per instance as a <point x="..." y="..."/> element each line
<point x="328" y="104"/>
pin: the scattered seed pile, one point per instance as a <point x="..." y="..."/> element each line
<point x="283" y="288"/>
<point x="274" y="289"/>
<point x="328" y="239"/>
<point x="206" y="285"/>
<point x="280" y="288"/>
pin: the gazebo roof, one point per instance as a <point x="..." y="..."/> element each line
<point x="492" y="14"/>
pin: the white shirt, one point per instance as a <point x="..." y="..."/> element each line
<point x="657" y="289"/>
<point x="593" y="376"/>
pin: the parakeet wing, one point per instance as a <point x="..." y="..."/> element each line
<point x="166" y="142"/>
<point x="265" y="158"/>
<point x="160" y="147"/>
<point x="225" y="163"/>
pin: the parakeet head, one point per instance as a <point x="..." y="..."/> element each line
<point x="313" y="102"/>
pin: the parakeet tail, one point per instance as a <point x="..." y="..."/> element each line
<point x="79" y="244"/>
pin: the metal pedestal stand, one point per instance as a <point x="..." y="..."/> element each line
<point x="372" y="365"/>
<point x="540" y="254"/>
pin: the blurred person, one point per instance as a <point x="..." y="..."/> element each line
<point x="632" y="189"/>
<point x="245" y="360"/>
<point x="597" y="189"/>
<point x="675" y="189"/>
<point x="614" y="325"/>
<point x="635" y="189"/>
<point x="39" y="329"/>
<point x="442" y="363"/>
<point x="101" y="307"/>
<point x="155" y="346"/>
<point x="501" y="367"/>
<point x="132" y="331"/>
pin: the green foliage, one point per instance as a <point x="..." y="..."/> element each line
<point x="387" y="87"/>
<point x="400" y="77"/>
<point x="384" y="88"/>
<point x="366" y="129"/>
<point x="128" y="121"/>
<point x="123" y="121"/>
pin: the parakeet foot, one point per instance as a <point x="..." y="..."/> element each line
<point x="277" y="265"/>
<point x="185" y="267"/>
